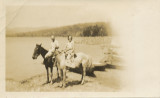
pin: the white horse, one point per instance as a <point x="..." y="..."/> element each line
<point x="80" y="61"/>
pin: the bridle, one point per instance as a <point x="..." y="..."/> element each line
<point x="38" y="52"/>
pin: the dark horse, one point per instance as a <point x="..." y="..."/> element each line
<point x="48" y="62"/>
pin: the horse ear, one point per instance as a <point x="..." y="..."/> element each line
<point x="40" y="44"/>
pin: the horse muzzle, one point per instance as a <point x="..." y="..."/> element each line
<point x="33" y="57"/>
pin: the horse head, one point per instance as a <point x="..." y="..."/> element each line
<point x="37" y="51"/>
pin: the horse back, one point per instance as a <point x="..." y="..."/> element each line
<point x="86" y="59"/>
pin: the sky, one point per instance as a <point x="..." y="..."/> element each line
<point x="53" y="13"/>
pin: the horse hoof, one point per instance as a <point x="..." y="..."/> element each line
<point x="47" y="82"/>
<point x="82" y="83"/>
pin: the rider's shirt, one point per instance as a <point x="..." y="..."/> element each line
<point x="70" y="47"/>
<point x="54" y="45"/>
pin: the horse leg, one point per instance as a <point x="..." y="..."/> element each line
<point x="83" y="75"/>
<point x="64" y="77"/>
<point x="47" y="75"/>
<point x="51" y="75"/>
<point x="61" y="77"/>
<point x="56" y="64"/>
<point x="57" y="72"/>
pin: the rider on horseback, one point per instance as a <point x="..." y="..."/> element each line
<point x="54" y="47"/>
<point x="70" y="50"/>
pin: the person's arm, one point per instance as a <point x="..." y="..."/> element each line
<point x="65" y="49"/>
<point x="52" y="47"/>
<point x="57" y="45"/>
<point x="68" y="48"/>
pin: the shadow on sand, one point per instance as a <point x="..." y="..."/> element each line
<point x="96" y="68"/>
<point x="76" y="82"/>
<point x="72" y="83"/>
<point x="57" y="80"/>
<point x="79" y="71"/>
<point x="103" y="67"/>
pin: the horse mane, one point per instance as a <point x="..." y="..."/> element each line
<point x="43" y="51"/>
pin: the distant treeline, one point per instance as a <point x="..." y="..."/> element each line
<point x="86" y="29"/>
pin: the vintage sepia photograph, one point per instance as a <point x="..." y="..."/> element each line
<point x="79" y="48"/>
<point x="61" y="47"/>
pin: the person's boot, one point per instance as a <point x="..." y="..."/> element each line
<point x="75" y="55"/>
